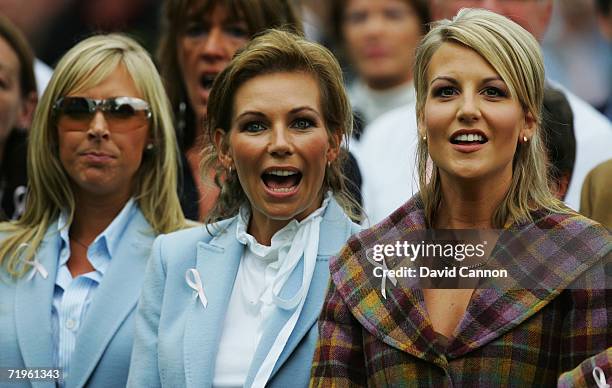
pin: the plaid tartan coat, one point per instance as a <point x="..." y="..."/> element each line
<point x="517" y="337"/>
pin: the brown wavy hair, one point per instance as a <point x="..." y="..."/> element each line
<point x="273" y="52"/>
<point x="259" y="16"/>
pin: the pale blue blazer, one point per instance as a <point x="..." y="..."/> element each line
<point x="177" y="339"/>
<point x="103" y="347"/>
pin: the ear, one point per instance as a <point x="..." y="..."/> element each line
<point x="26" y="113"/>
<point x="221" y="145"/>
<point x="529" y="127"/>
<point x="334" y="146"/>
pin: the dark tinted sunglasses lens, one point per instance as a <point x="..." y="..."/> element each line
<point x="122" y="111"/>
<point x="75" y="108"/>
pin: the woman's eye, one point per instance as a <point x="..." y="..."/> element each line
<point x="395" y="14"/>
<point x="445" y="91"/>
<point x="237" y="31"/>
<point x="253" y="127"/>
<point x="302" y="124"/>
<point x="194" y="29"/>
<point x="493" y="92"/>
<point x="356" y="17"/>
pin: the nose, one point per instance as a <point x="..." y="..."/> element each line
<point x="280" y="143"/>
<point x="213" y="46"/>
<point x="469" y="110"/>
<point x="373" y="25"/>
<point x="98" y="128"/>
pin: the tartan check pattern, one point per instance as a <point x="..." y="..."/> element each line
<point x="582" y="375"/>
<point x="508" y="337"/>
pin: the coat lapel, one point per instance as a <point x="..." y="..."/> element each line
<point x="554" y="256"/>
<point x="33" y="301"/>
<point x="399" y="320"/>
<point x="217" y="263"/>
<point x="334" y="231"/>
<point x="114" y="299"/>
<point x="554" y="251"/>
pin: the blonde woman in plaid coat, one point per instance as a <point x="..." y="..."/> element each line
<point x="479" y="81"/>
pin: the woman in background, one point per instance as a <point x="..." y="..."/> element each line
<point x="479" y="80"/>
<point x="102" y="184"/>
<point x="235" y="303"/>
<point x="199" y="38"/>
<point x="17" y="102"/>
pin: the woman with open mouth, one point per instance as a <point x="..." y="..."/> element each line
<point x="235" y="303"/>
<point x="480" y="82"/>
<point x="198" y="40"/>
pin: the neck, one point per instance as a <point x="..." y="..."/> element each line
<point x="469" y="205"/>
<point x="382" y="84"/>
<point x="263" y="227"/>
<point x="93" y="214"/>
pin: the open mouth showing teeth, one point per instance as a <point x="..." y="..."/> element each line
<point x="207" y="80"/>
<point x="469" y="139"/>
<point x="281" y="181"/>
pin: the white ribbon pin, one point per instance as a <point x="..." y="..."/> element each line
<point x="37" y="266"/>
<point x="192" y="277"/>
<point x="600" y="378"/>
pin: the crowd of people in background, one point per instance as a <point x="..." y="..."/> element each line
<point x="190" y="189"/>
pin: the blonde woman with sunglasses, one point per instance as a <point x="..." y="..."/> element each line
<point x="102" y="185"/>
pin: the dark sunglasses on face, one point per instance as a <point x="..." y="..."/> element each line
<point x="120" y="112"/>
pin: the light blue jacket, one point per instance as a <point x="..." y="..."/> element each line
<point x="103" y="347"/>
<point x="177" y="339"/>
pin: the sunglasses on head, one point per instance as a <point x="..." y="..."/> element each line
<point x="124" y="112"/>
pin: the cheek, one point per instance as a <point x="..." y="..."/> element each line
<point x="437" y="119"/>
<point x="237" y="45"/>
<point x="315" y="155"/>
<point x="133" y="147"/>
<point x="67" y="145"/>
<point x="245" y="151"/>
<point x="353" y="39"/>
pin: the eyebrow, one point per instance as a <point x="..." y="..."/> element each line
<point x="291" y="112"/>
<point x="454" y="81"/>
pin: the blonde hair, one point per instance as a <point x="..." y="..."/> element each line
<point x="273" y="52"/>
<point x="515" y="54"/>
<point x="84" y="66"/>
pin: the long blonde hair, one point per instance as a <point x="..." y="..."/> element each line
<point x="84" y="66"/>
<point x="515" y="54"/>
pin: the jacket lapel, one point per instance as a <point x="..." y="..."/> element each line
<point x="554" y="256"/>
<point x="33" y="301"/>
<point x="399" y="320"/>
<point x="334" y="231"/>
<point x="115" y="297"/>
<point x="217" y="264"/>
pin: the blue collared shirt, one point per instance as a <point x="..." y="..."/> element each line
<point x="72" y="296"/>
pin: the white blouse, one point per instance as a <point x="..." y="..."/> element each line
<point x="261" y="275"/>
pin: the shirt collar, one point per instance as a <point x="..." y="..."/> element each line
<point x="107" y="241"/>
<point x="280" y="237"/>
